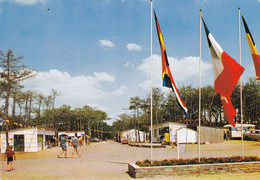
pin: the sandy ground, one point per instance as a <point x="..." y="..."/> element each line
<point x="109" y="160"/>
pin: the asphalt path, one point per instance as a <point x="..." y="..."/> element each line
<point x="103" y="160"/>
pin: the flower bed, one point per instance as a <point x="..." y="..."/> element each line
<point x="191" y="166"/>
<point x="172" y="162"/>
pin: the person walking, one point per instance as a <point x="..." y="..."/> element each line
<point x="63" y="145"/>
<point x="10" y="156"/>
<point x="75" y="145"/>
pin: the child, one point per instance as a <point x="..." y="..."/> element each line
<point x="10" y="155"/>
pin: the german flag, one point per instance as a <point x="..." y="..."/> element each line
<point x="166" y="72"/>
<point x="255" y="55"/>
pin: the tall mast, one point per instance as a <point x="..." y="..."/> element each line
<point x="199" y="90"/>
<point x="151" y="81"/>
<point x="241" y="100"/>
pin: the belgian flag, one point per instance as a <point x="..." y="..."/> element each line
<point x="255" y="55"/>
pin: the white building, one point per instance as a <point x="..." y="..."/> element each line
<point x="132" y="135"/>
<point x="186" y="136"/>
<point x="27" y="139"/>
<point x="135" y="135"/>
<point x="160" y="130"/>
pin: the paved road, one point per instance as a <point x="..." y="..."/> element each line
<point x="104" y="160"/>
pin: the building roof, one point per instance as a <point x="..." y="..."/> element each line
<point x="167" y="124"/>
<point x="35" y="127"/>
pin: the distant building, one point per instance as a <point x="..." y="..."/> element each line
<point x="27" y="139"/>
<point x="166" y="131"/>
<point x="131" y="136"/>
<point x="135" y="135"/>
<point x="186" y="136"/>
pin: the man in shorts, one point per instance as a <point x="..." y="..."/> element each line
<point x="10" y="156"/>
<point x="75" y="145"/>
<point x="63" y="144"/>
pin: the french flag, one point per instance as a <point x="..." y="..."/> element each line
<point x="226" y="74"/>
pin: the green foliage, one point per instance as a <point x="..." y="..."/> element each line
<point x="211" y="160"/>
<point x="166" y="108"/>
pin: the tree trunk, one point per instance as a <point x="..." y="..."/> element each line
<point x="7" y="97"/>
<point x="6" y="115"/>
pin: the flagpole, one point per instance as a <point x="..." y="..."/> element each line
<point x="151" y="88"/>
<point x="241" y="100"/>
<point x="199" y="90"/>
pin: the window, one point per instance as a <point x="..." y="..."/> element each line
<point x="155" y="133"/>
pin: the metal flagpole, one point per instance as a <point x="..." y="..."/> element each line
<point x="241" y="100"/>
<point x="199" y="90"/>
<point x="151" y="88"/>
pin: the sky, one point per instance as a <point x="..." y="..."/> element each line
<point x="97" y="52"/>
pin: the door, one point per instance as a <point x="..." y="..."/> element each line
<point x="39" y="142"/>
<point x="18" y="142"/>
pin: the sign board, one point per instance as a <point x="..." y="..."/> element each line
<point x="181" y="148"/>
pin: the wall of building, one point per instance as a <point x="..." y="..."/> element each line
<point x="30" y="138"/>
<point x="186" y="135"/>
<point x="211" y="135"/>
<point x="173" y="130"/>
<point x="173" y="127"/>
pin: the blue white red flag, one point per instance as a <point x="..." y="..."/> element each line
<point x="226" y="74"/>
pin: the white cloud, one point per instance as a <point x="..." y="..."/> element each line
<point x="26" y="2"/>
<point x="133" y="47"/>
<point x="106" y="43"/>
<point x="103" y="76"/>
<point x="127" y="64"/>
<point x="119" y="91"/>
<point x="29" y="2"/>
<point x="182" y="69"/>
<point x="76" y="90"/>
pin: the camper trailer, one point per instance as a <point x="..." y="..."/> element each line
<point x="124" y="137"/>
<point x="235" y="132"/>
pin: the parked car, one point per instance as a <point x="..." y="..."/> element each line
<point x="252" y="135"/>
<point x="94" y="139"/>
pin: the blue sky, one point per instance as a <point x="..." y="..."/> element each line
<point x="97" y="52"/>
